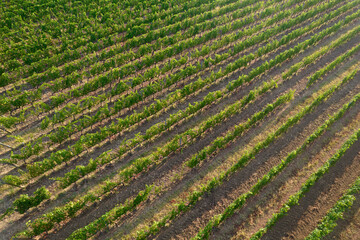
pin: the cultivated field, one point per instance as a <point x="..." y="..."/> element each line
<point x="174" y="119"/>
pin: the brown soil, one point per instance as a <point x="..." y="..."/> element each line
<point x="303" y="218"/>
<point x="213" y="201"/>
<point x="260" y="213"/>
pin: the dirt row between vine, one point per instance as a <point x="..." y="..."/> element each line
<point x="303" y="218"/>
<point x="260" y="208"/>
<point x="191" y="221"/>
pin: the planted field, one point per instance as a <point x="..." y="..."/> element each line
<point x="211" y="119"/>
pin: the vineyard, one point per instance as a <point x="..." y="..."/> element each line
<point x="173" y="119"/>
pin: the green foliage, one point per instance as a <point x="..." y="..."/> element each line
<point x="12" y="180"/>
<point x="24" y="202"/>
<point x="45" y="123"/>
<point x="8" y="122"/>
